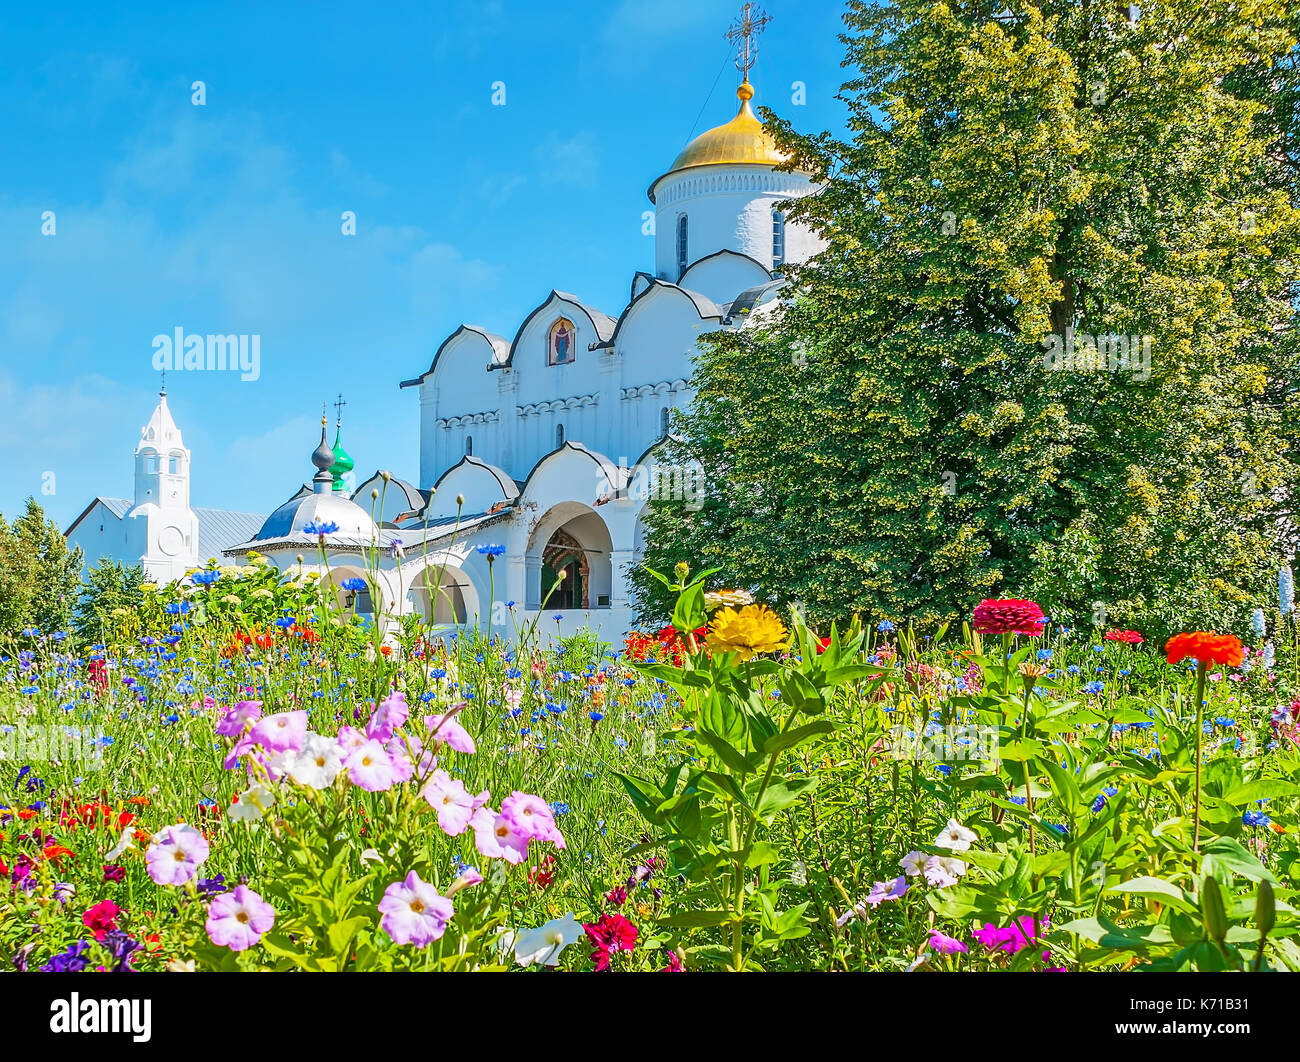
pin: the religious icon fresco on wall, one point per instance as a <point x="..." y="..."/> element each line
<point x="561" y="343"/>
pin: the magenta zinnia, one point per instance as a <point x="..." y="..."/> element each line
<point x="1008" y="616"/>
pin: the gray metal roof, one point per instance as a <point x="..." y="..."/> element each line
<point x="218" y="528"/>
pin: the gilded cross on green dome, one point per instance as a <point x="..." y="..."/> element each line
<point x="343" y="463"/>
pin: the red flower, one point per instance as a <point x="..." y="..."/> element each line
<point x="612" y="933"/>
<point x="1131" y="637"/>
<point x="617" y="896"/>
<point x="542" y="876"/>
<point x="1008" y="616"/>
<point x="97" y="672"/>
<point x="101" y="918"/>
<point x="674" y="964"/>
<point x="1206" y="647"/>
<point x="822" y="645"/>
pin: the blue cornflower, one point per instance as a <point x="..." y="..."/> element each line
<point x="285" y="622"/>
<point x="884" y="626"/>
<point x="490" y="551"/>
<point x="1092" y="688"/>
<point x="1106" y="794"/>
<point x="353" y="583"/>
<point x="1073" y="669"/>
<point x="1255" y="818"/>
<point x="596" y="717"/>
<point x="320" y="527"/>
<point x="1044" y="654"/>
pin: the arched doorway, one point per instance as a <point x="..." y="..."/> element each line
<point x="444" y="595"/>
<point x="351" y="590"/>
<point x="572" y="538"/>
<point x="563" y="556"/>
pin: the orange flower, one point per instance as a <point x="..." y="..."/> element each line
<point x="55" y="852"/>
<point x="1206" y="647"/>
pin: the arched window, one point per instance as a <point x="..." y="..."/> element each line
<point x="683" y="244"/>
<point x="663" y="421"/>
<point x="559" y="435"/>
<point x="778" y="238"/>
<point x="174" y="464"/>
<point x="469" y="446"/>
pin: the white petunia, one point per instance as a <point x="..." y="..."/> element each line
<point x="545" y="944"/>
<point x="319" y="762"/>
<point x="914" y="863"/>
<point x="127" y="840"/>
<point x="954" y="836"/>
<point x="252" y="803"/>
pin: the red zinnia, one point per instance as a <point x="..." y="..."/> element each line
<point x="1206" y="647"/>
<point x="1008" y="616"/>
<point x="1131" y="637"/>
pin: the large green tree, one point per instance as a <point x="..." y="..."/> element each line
<point x="926" y="423"/>
<point x="39" y="575"/>
<point x="107" y="586"/>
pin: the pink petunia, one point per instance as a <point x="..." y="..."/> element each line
<point x="175" y="855"/>
<point x="391" y="714"/>
<point x="452" y="801"/>
<point x="243" y="715"/>
<point x="237" y="920"/>
<point x="101" y="918"/>
<point x="281" y="732"/>
<point x="371" y="768"/>
<point x="414" y="912"/>
<point x="445" y="730"/>
<point x="530" y="816"/>
<point x="495" y="839"/>
<point x="945" y="945"/>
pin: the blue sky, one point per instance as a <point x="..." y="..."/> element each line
<point x="225" y="218"/>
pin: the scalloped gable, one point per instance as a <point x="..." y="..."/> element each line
<point x="496" y="348"/>
<point x="723" y="273"/>
<point x="601" y="323"/>
<point x="482" y="484"/>
<point x="561" y="454"/>
<point x="654" y="287"/>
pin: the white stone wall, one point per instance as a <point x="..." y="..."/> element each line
<point x="728" y="208"/>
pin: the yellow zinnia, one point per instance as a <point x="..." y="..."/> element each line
<point x="753" y="629"/>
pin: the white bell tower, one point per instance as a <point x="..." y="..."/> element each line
<point x="162" y="498"/>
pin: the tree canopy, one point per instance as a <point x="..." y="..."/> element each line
<point x="1050" y="349"/>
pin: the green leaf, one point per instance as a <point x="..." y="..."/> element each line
<point x="1226" y="854"/>
<point x="1261" y="789"/>
<point x="790" y="738"/>
<point x="697" y="919"/>
<point x="780" y="795"/>
<point x="1156" y="889"/>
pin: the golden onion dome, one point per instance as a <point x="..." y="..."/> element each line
<point x="741" y="141"/>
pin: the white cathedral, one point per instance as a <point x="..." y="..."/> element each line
<point x="537" y="452"/>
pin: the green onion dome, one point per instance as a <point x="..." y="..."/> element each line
<point x="343" y="462"/>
